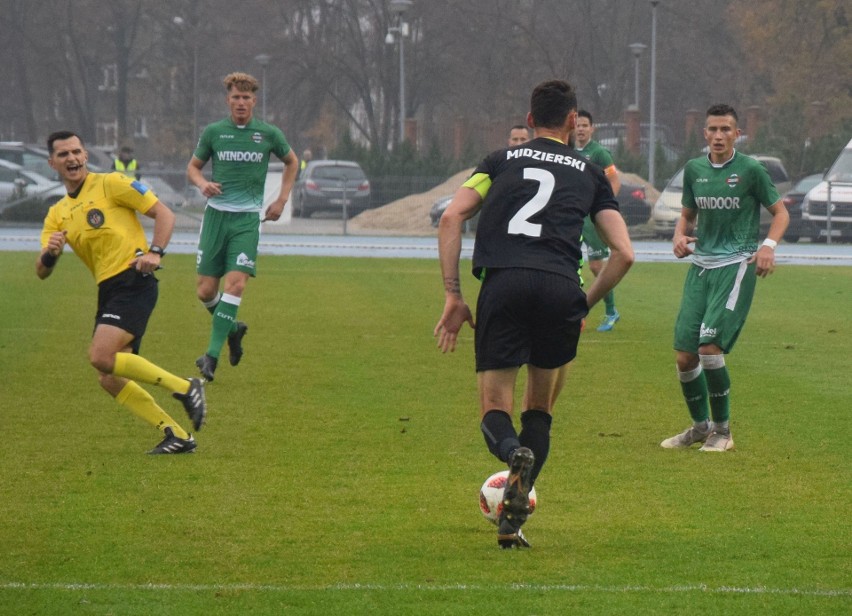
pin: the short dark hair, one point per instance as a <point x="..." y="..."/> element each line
<point x="551" y="102"/>
<point x="519" y="126"/>
<point x="585" y="114"/>
<point x="721" y="109"/>
<point x="61" y="135"/>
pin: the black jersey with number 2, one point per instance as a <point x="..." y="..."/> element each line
<point x="532" y="215"/>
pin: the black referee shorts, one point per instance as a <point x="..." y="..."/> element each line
<point x="527" y="316"/>
<point x="127" y="300"/>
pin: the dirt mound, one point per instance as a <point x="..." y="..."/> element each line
<point x="409" y="215"/>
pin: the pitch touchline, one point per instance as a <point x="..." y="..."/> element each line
<point x="703" y="588"/>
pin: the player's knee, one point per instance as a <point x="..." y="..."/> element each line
<point x="102" y="361"/>
<point x="104" y="380"/>
<point x="235" y="287"/>
<point x="686" y="361"/>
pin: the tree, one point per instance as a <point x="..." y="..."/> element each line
<point x="803" y="51"/>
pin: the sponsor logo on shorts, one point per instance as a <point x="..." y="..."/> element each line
<point x="244" y="261"/>
<point x="707" y="331"/>
<point x="109" y="315"/>
<point x="95" y="218"/>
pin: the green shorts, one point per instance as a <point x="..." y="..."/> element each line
<point x="714" y="307"/>
<point x="228" y="243"/>
<point x="596" y="249"/>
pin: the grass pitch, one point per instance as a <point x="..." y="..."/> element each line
<point x="339" y="470"/>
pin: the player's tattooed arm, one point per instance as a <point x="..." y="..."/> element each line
<point x="452" y="285"/>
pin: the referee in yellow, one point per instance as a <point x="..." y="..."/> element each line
<point x="98" y="219"/>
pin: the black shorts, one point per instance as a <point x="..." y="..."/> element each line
<point x="527" y="316"/>
<point x="127" y="300"/>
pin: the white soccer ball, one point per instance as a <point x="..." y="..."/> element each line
<point x="491" y="496"/>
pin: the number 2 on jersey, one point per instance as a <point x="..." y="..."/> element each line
<point x="520" y="224"/>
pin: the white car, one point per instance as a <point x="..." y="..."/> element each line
<point x="18" y="184"/>
<point x="819" y="219"/>
<point x="666" y="210"/>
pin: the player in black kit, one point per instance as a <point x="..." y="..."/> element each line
<point x="533" y="198"/>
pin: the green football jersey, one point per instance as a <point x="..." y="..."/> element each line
<point x="240" y="161"/>
<point x="596" y="153"/>
<point x="728" y="198"/>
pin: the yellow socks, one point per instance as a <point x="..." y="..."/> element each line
<point x="143" y="405"/>
<point x="139" y="369"/>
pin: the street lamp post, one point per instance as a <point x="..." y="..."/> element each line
<point x="263" y="59"/>
<point x="180" y="22"/>
<point x="652" y="129"/>
<point x="398" y="8"/>
<point x="636" y="49"/>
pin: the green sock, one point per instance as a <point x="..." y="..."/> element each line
<point x="609" y="302"/>
<point x="694" y="387"/>
<point x="224" y="320"/>
<point x="211" y="308"/>
<point x="719" y="389"/>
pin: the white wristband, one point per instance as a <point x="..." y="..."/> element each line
<point x="770" y="243"/>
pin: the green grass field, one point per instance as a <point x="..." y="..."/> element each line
<point x="339" y="469"/>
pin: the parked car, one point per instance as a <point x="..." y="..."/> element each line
<point x="333" y="186"/>
<point x="793" y="201"/>
<point x="815" y="205"/>
<point x="438" y="208"/>
<point x="34" y="158"/>
<point x="631" y="201"/>
<point x="16" y="182"/>
<point x="25" y="196"/>
<point x="666" y="210"/>
<point x="29" y="157"/>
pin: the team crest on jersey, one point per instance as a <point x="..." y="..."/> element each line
<point x="733" y="180"/>
<point x="95" y="218"/>
<point x="257" y="137"/>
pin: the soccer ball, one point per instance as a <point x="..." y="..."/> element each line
<point x="491" y="496"/>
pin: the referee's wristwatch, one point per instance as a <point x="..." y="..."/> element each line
<point x="157" y="251"/>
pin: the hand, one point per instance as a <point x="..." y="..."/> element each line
<point x="56" y="243"/>
<point x="274" y="211"/>
<point x="456" y="313"/>
<point x="765" y="258"/>
<point x="146" y="263"/>
<point x="680" y="245"/>
<point x="211" y="189"/>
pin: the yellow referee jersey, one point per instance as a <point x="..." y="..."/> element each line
<point x="101" y="221"/>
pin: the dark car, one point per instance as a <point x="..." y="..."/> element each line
<point x="793" y="201"/>
<point x="437" y="211"/>
<point x="338" y="186"/>
<point x="631" y="201"/>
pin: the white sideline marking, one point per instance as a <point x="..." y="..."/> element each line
<point x="703" y="588"/>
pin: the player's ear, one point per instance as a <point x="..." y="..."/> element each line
<point x="530" y="122"/>
<point x="572" y="120"/>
